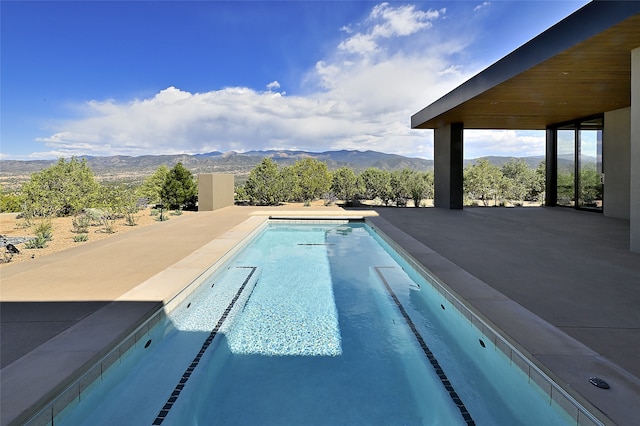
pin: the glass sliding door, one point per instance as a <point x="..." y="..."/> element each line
<point x="566" y="154"/>
<point x="590" y="177"/>
<point x="579" y="169"/>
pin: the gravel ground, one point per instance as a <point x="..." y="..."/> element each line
<point x="14" y="230"/>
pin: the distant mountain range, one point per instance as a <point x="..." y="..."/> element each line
<point x="216" y="161"/>
<point x="120" y="167"/>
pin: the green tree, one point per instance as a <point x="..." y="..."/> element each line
<point x="179" y="188"/>
<point x="344" y="184"/>
<point x="590" y="187"/>
<point x="400" y="190"/>
<point x="566" y="187"/>
<point x="117" y="200"/>
<point x="538" y="186"/>
<point x="518" y="180"/>
<point x="10" y="202"/>
<point x="483" y="181"/>
<point x="152" y="185"/>
<point x="240" y="194"/>
<point x="420" y="185"/>
<point x="60" y="190"/>
<point x="375" y="183"/>
<point x="263" y="186"/>
<point x="289" y="185"/>
<point x="314" y="178"/>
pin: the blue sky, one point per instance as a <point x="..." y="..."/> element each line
<point x="162" y="77"/>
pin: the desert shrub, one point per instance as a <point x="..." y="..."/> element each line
<point x="142" y="203"/>
<point x="25" y="220"/>
<point x="117" y="200"/>
<point x="36" y="243"/>
<point x="60" y="190"/>
<point x="329" y="199"/>
<point x="95" y="216"/>
<point x="82" y="237"/>
<point x="130" y="219"/>
<point x="162" y="216"/>
<point x="177" y="212"/>
<point x="108" y="225"/>
<point x="44" y="229"/>
<point x="9" y="202"/>
<point x="81" y="223"/>
<point x="154" y="212"/>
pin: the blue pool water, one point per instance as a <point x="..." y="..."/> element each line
<point x="314" y="325"/>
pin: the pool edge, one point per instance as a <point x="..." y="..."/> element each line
<point x="489" y="311"/>
<point x="66" y="391"/>
<point x="466" y="307"/>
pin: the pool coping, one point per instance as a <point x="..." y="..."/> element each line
<point x="553" y="356"/>
<point x="551" y="352"/>
<point x="84" y="359"/>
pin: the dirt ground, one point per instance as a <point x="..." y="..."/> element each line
<point x="11" y="226"/>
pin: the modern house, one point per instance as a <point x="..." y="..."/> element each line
<point x="579" y="81"/>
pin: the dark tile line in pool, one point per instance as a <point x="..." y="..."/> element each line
<point x="432" y="359"/>
<point x="554" y="391"/>
<point x="164" y="411"/>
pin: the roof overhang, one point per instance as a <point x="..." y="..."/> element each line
<point x="579" y="67"/>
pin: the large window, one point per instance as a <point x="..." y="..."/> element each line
<point x="580" y="177"/>
<point x="566" y="155"/>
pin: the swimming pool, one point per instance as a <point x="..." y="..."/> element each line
<point x="314" y="324"/>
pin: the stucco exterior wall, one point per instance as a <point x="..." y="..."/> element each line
<point x="215" y="191"/>
<point x="616" y="152"/>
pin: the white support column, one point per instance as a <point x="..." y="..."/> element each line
<point x="634" y="192"/>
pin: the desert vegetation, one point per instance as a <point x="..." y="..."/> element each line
<point x="268" y="184"/>
<point x="68" y="189"/>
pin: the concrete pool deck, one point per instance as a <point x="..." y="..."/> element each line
<point x="62" y="312"/>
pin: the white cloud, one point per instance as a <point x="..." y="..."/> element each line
<point x="386" y="21"/>
<point x="273" y="85"/>
<point x="359" y="97"/>
<point x="478" y="143"/>
<point x="481" y="6"/>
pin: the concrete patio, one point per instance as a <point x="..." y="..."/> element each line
<point x="573" y="270"/>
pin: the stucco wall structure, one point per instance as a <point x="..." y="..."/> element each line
<point x="616" y="148"/>
<point x="215" y="191"/>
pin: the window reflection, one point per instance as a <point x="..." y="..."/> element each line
<point x="580" y="177"/>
